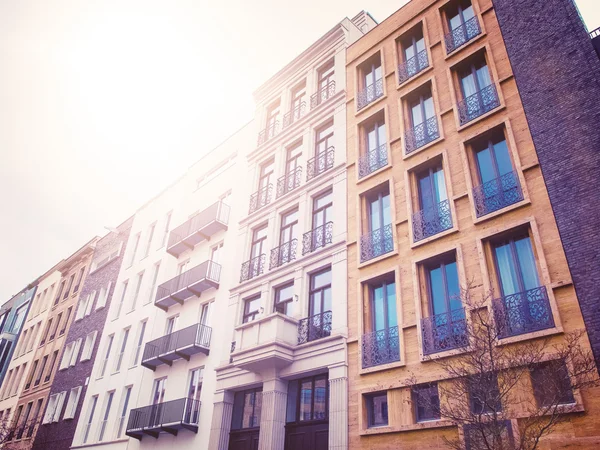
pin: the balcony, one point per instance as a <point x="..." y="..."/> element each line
<point x="314" y="327"/>
<point x="190" y="283"/>
<point x="199" y="228"/>
<point x="376" y="243"/>
<point x="412" y="66"/>
<point x="369" y="94"/>
<point x="268" y="133"/>
<point x="421" y="135"/>
<point x="289" y="182"/>
<point x="283" y="254"/>
<point x="372" y="161"/>
<point x="322" y="95"/>
<point x="260" y="198"/>
<point x="478" y="104"/>
<point x="380" y="347"/>
<point x="294" y="114"/>
<point x="320" y="163"/>
<point x="431" y="221"/>
<point x="317" y="238"/>
<point x="497" y="194"/>
<point x="252" y="268"/>
<point x="168" y="417"/>
<point x="523" y="312"/>
<point x="446" y="331"/>
<point x="181" y="344"/>
<point x="265" y="343"/>
<point x="462" y="34"/>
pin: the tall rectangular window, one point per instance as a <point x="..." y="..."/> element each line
<point x="484" y="394"/>
<point x="166" y="228"/>
<point x="193" y="395"/>
<point x="66" y="321"/>
<point x="79" y="279"/>
<point x="377" y="410"/>
<point x="322" y="210"/>
<point x="123" y="411"/>
<point x="90" y="418"/>
<point x="60" y="290"/>
<point x="119" y="306"/>
<point x="31" y="374"/>
<point x="34" y="418"/>
<point x="46" y="332"/>
<point x="109" y="343"/>
<point x="551" y="384"/>
<point x="247" y="409"/>
<point x="38" y="379"/>
<point x="426" y="399"/>
<point x="154" y="281"/>
<point x="51" y="366"/>
<point x="123" y="346"/>
<point x="136" y="294"/>
<point x="104" y="421"/>
<point x="284" y="296"/>
<point x="324" y="144"/>
<point x="136" y="243"/>
<point x="515" y="265"/>
<point x="72" y="402"/>
<point x="18" y="319"/>
<point x="149" y="240"/>
<point x="139" y="342"/>
<point x="312" y="398"/>
<point x="251" y="307"/>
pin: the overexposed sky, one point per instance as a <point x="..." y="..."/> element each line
<point x="104" y="102"/>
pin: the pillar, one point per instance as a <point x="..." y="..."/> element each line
<point x="338" y="407"/>
<point x="272" y="422"/>
<point x="221" y="421"/>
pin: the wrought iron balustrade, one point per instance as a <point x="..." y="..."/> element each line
<point x="283" y="254"/>
<point x="413" y="66"/>
<point x="369" y="94"/>
<point x="445" y="331"/>
<point x="320" y="163"/>
<point x="497" y="194"/>
<point x="289" y="182"/>
<point x="260" y="198"/>
<point x="428" y="222"/>
<point x="462" y="34"/>
<point x="253" y="268"/>
<point x="268" y="133"/>
<point x="380" y="347"/>
<point x="421" y="135"/>
<point x="523" y="312"/>
<point x="295" y="114"/>
<point x="322" y="95"/>
<point x="314" y="327"/>
<point x="376" y="243"/>
<point x="478" y="104"/>
<point x="372" y="160"/>
<point x="317" y="238"/>
<point x="168" y="416"/>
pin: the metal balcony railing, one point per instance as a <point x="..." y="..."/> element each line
<point x="462" y="34"/>
<point x="260" y="198"/>
<point x="380" y="347"/>
<point x="372" y="160"/>
<point x="317" y="238"/>
<point x="369" y="94"/>
<point x="595" y="33"/>
<point x="169" y="417"/>
<point x="478" y="104"/>
<point x="412" y="66"/>
<point x="252" y="268"/>
<point x="421" y="135"/>
<point x="268" y="133"/>
<point x="289" y="182"/>
<point x="314" y="327"/>
<point x="294" y="114"/>
<point x="432" y="221"/>
<point x="322" y="95"/>
<point x="376" y="243"/>
<point x="446" y="331"/>
<point x="283" y="254"/>
<point x="180" y="344"/>
<point x="320" y="163"/>
<point x="523" y="312"/>
<point x="497" y="194"/>
<point x="191" y="282"/>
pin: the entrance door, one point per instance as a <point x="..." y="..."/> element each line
<point x="244" y="440"/>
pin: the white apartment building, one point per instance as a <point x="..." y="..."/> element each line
<point x="154" y="378"/>
<point x="284" y="383"/>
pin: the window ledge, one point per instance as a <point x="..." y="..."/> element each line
<point x="358" y="112"/>
<point x="533" y="335"/>
<point x="413" y="78"/>
<point x="468" y="43"/>
<point x="454" y="229"/>
<point x="379" y="368"/>
<point x="373" y="174"/>
<point x="378" y="258"/>
<point x="504" y="210"/>
<point x="480" y="118"/>
<point x="423" y="148"/>
<point x="411" y="427"/>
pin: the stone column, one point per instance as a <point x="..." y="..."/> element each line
<point x="221" y="421"/>
<point x="338" y="407"/>
<point x="272" y="422"/>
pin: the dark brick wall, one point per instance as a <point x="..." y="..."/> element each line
<point x="557" y="73"/>
<point x="59" y="435"/>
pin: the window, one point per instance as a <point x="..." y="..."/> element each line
<point x="15" y="423"/>
<point x="70" y="355"/>
<point x="136" y="243"/>
<point x="154" y="281"/>
<point x="551" y="384"/>
<point x="68" y="290"/>
<point x="66" y="322"/>
<point x="325" y="84"/>
<point x="31" y="374"/>
<point x="119" y="306"/>
<point x="427" y="402"/>
<point x="158" y="391"/>
<point x="443" y="287"/>
<point x="321" y="216"/>
<point x="183" y="266"/>
<point x="324" y="151"/>
<point x="90" y="415"/>
<point x="370" y="81"/>
<point x="247" y="408"/>
<point x="484" y="394"/>
<point x="139" y="341"/>
<point x="422" y="127"/>
<point x="515" y="265"/>
<point x="461" y="24"/>
<point x="60" y="289"/>
<point x="34" y="418"/>
<point x="432" y="214"/>
<point x="298" y="105"/>
<point x="22" y="344"/>
<point x="123" y="410"/>
<point x="255" y="265"/>
<point x="251" y="306"/>
<point x="54" y="408"/>
<point x="194" y="391"/>
<point x="318" y="324"/>
<point x="18" y="319"/>
<point x="381" y="344"/>
<point x="378" y="238"/>
<point x="6" y="385"/>
<point x="107" y="406"/>
<point x="90" y="303"/>
<point x="171" y="324"/>
<point x="88" y="346"/>
<point x="413" y="54"/>
<point x="477" y="89"/>
<point x="292" y="159"/>
<point x="57" y="324"/>
<point x="206" y="313"/>
<point x="259" y="236"/>
<point x="19" y="372"/>
<point x="119" y="359"/>
<point x="109" y="343"/>
<point x="289" y="227"/>
<point x="51" y="367"/>
<point x="23" y="423"/>
<point x="374" y="149"/>
<point x="149" y="241"/>
<point x="72" y="402"/>
<point x="215" y="253"/>
<point x="284" y="295"/>
<point x="312" y="398"/>
<point x="166" y="228"/>
<point x="103" y="296"/>
<point x="136" y="294"/>
<point x="33" y="338"/>
<point x="265" y="179"/>
<point x="272" y="126"/>
<point x="79" y="279"/>
<point x="377" y="410"/>
<point x="38" y="379"/>
<point x="46" y="331"/>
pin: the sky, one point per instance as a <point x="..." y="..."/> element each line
<point x="103" y="103"/>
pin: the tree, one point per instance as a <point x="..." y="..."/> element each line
<point x="10" y="430"/>
<point x="507" y="396"/>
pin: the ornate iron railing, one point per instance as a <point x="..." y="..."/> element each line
<point x="446" y="331"/>
<point x="523" y="312"/>
<point x="314" y="327"/>
<point x="196" y="334"/>
<point x="462" y="34"/>
<point x="268" y="133"/>
<point x="497" y="194"/>
<point x="322" y="95"/>
<point x="260" y="198"/>
<point x="317" y="238"/>
<point x="252" y="268"/>
<point x="208" y="270"/>
<point x="283" y="254"/>
<point x="376" y="243"/>
<point x="289" y="182"/>
<point x="369" y="94"/>
<point x="217" y="211"/>
<point x="294" y="114"/>
<point x="432" y="221"/>
<point x="413" y="66"/>
<point x="478" y="104"/>
<point x="380" y="347"/>
<point x="182" y="410"/>
<point x="372" y="160"/>
<point x="320" y="163"/>
<point x="421" y="135"/>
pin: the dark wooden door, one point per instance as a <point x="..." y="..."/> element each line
<point x="314" y="436"/>
<point x="244" y="440"/>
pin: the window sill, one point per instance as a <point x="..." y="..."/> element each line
<point x="445" y="233"/>
<point x="416" y="76"/>
<point x="532" y="335"/>
<point x="379" y="368"/>
<point x="480" y="118"/>
<point x="441" y="355"/>
<point x="374" y="173"/>
<point x="404" y="428"/>
<point x="423" y="148"/>
<point x="466" y="44"/>
<point x="361" y="111"/>
<point x="378" y="258"/>
<point x="499" y="212"/>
